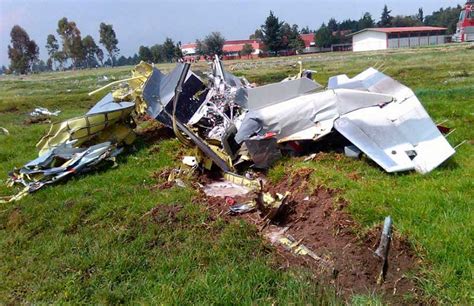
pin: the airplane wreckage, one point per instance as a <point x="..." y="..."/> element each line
<point x="236" y="125"/>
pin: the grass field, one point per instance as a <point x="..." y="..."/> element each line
<point x="86" y="240"/>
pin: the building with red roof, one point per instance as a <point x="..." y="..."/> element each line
<point x="392" y="38"/>
<point x="232" y="48"/>
<point x="309" y="43"/>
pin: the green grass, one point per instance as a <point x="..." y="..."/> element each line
<point x="87" y="240"/>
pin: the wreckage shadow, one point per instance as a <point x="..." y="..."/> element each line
<point x="332" y="143"/>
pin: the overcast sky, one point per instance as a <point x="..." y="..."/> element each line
<point x="146" y="22"/>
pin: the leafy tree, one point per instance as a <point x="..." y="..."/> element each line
<point x="157" y="53"/>
<point x="349" y="25"/>
<point x="200" y="47"/>
<point x="22" y="52"/>
<point x="420" y="16"/>
<point x="122" y="61"/>
<point x="247" y="49"/>
<point x="78" y="54"/>
<point x="135" y="59"/>
<point x="305" y="30"/>
<point x="295" y="42"/>
<point x="72" y="42"/>
<point x="272" y="33"/>
<point x="144" y="54"/>
<point x="285" y="36"/>
<point x="214" y="43"/>
<point x="323" y="37"/>
<point x="109" y="40"/>
<point x="90" y="51"/>
<point x="3" y="70"/>
<point x="178" y="53"/>
<point x="366" y="21"/>
<point x="52" y="47"/>
<point x="169" y="50"/>
<point x="386" y="18"/>
<point x="333" y="25"/>
<point x="39" y="66"/>
<point x="447" y="17"/>
<point x="257" y="35"/>
<point x="100" y="56"/>
<point x="405" y="21"/>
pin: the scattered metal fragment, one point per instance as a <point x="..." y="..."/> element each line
<point x="190" y="161"/>
<point x="278" y="236"/>
<point x="242" y="208"/>
<point x="57" y="164"/>
<point x="42" y="111"/>
<point x="4" y="131"/>
<point x="225" y="189"/>
<point x="384" y="248"/>
<point x="179" y="182"/>
<point x="352" y="151"/>
<point x="271" y="205"/>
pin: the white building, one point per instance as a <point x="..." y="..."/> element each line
<point x="392" y="38"/>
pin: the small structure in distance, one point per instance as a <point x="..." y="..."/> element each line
<point x="372" y="39"/>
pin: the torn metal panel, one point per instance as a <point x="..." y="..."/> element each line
<point x="398" y="137"/>
<point x="114" y="125"/>
<point x="107" y="104"/>
<point x="59" y="163"/>
<point x="221" y="76"/>
<point x="263" y="96"/>
<point x="372" y="80"/>
<point x="159" y="91"/>
<point x="291" y="116"/>
<point x="350" y="100"/>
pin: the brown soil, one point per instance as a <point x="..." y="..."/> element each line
<point x="318" y="220"/>
<point x="154" y="133"/>
<point x="37" y="119"/>
<point x="165" y="214"/>
<point x="161" y="178"/>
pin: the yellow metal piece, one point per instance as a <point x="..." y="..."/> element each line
<point x="241" y="180"/>
<point x="111" y="126"/>
<point x="14" y="198"/>
<point x="133" y="89"/>
<point x="140" y="75"/>
<point x="112" y="84"/>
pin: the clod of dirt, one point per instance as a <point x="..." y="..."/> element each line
<point x="36" y="120"/>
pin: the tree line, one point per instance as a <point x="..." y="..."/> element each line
<point x="69" y="50"/>
<point x="334" y="32"/>
<point x="278" y="35"/>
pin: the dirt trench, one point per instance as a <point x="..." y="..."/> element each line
<point x="317" y="218"/>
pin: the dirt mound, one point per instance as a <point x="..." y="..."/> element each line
<point x="37" y="119"/>
<point x="316" y="219"/>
